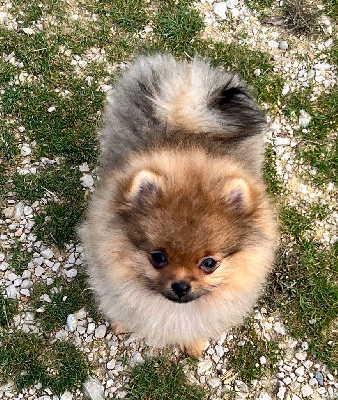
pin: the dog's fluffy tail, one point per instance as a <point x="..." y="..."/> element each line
<point x="159" y="94"/>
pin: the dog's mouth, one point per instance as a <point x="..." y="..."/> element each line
<point x="181" y="299"/>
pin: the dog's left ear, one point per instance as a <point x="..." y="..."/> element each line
<point x="237" y="195"/>
<point x="144" y="186"/>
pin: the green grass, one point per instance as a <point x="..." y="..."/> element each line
<point x="318" y="146"/>
<point x="177" y="27"/>
<point x="274" y="185"/>
<point x="19" y="258"/>
<point x="61" y="180"/>
<point x="69" y="131"/>
<point x="294" y="224"/>
<point x="244" y="360"/>
<point x="8" y="308"/>
<point x="8" y="144"/>
<point x="331" y="7"/>
<point x="308" y="296"/>
<point x="131" y="15"/>
<point x="161" y="379"/>
<point x="56" y="224"/>
<point x="36" y="9"/>
<point x="70" y="297"/>
<point x="303" y="283"/>
<point x="27" y="359"/>
<point x="259" y="5"/>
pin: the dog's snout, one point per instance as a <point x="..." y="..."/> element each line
<point x="181" y="288"/>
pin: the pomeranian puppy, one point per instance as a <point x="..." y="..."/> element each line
<point x="180" y="235"/>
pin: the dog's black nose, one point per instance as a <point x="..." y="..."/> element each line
<point x="181" y="288"/>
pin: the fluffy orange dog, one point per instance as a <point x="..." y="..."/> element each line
<point x="179" y="235"/>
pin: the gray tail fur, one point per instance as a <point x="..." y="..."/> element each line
<point x="159" y="96"/>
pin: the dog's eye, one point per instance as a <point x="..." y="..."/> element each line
<point x="208" y="264"/>
<point x="158" y="258"/>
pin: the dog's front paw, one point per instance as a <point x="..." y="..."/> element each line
<point x="194" y="349"/>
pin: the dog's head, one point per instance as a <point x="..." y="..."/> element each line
<point x="189" y="218"/>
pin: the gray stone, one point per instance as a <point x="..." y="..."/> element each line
<point x="204" y="366"/>
<point x="11" y="277"/>
<point x="300" y="371"/>
<point x="93" y="389"/>
<point x="111" y="364"/>
<point x="81" y="330"/>
<point x="12" y="292"/>
<point x="47" y="253"/>
<point x="220" y="9"/>
<point x="81" y="314"/>
<point x="39" y="270"/>
<point x="8" y="212"/>
<point x="304" y="119"/>
<point x="214" y="382"/>
<point x="279" y="328"/>
<point x="25" y="150"/>
<point x="136" y="359"/>
<point x="19" y="211"/>
<point x="26" y="284"/>
<point x="283" y="45"/>
<point x="282" y="141"/>
<point x="84" y="167"/>
<point x="66" y="396"/>
<point x="219" y="351"/>
<point x="71" y="273"/>
<point x="4" y="266"/>
<point x="231" y="3"/>
<point x="71" y="322"/>
<point x="87" y="180"/>
<point x="307" y="391"/>
<point x="311" y="74"/>
<point x="26" y="274"/>
<point x="330" y="376"/>
<point x="301" y="355"/>
<point x="17" y="282"/>
<point x="234" y="12"/>
<point x="319" y="376"/>
<point x="25" y="292"/>
<point x="264" y="396"/>
<point x="27" y="210"/>
<point x="71" y="258"/>
<point x="273" y="44"/>
<point x="100" y="331"/>
<point x="281" y="393"/>
<point x="90" y="328"/>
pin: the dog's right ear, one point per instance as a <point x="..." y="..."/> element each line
<point x="144" y="186"/>
<point x="237" y="196"/>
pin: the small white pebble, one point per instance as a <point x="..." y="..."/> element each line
<point x="220" y="9"/>
<point x="71" y="322"/>
<point x="262" y="360"/>
<point x="25" y="150"/>
<point x="306" y="391"/>
<point x="66" y="396"/>
<point x="100" y="331"/>
<point x="281" y="393"/>
<point x="87" y="180"/>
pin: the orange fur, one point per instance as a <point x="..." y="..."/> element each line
<point x="188" y="216"/>
<point x="180" y="179"/>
